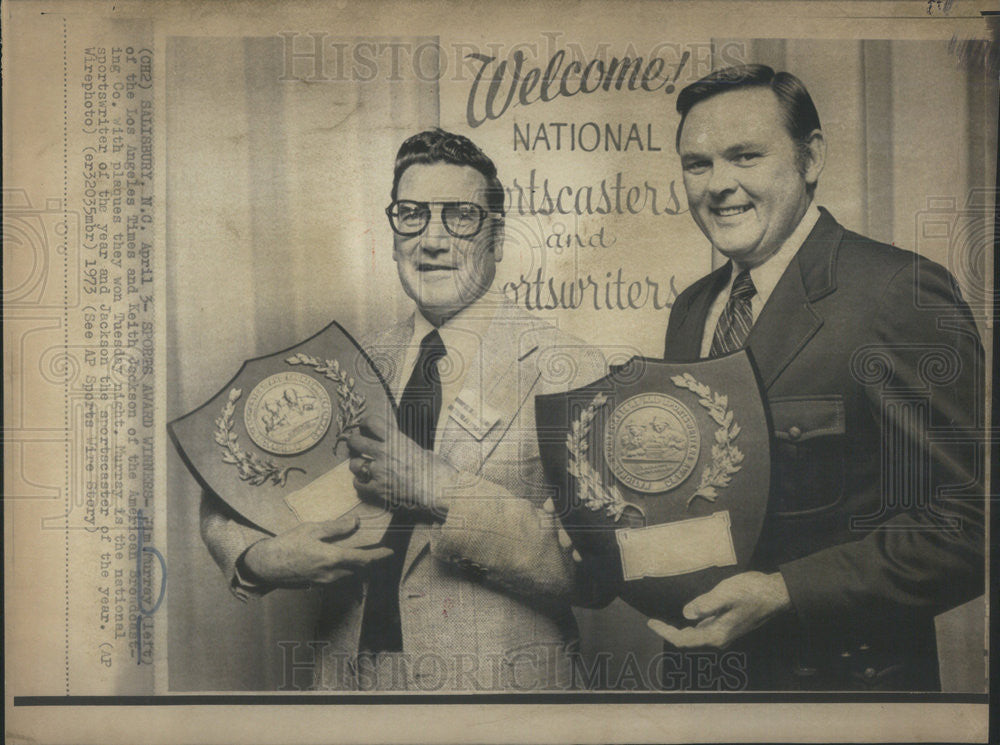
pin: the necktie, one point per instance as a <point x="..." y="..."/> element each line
<point x="736" y="319"/>
<point x="417" y="415"/>
<point x="420" y="404"/>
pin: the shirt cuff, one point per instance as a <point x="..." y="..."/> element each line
<point x="243" y="584"/>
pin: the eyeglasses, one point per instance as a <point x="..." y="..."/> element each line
<point x="461" y="219"/>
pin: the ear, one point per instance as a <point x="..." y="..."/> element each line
<point x="816" y="149"/>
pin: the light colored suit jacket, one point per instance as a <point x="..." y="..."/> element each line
<point x="485" y="596"/>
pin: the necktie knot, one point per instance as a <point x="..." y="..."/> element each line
<point x="432" y="343"/>
<point x="743" y="288"/>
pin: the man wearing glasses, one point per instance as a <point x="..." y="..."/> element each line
<point x="476" y="592"/>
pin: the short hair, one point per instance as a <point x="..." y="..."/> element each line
<point x="797" y="108"/>
<point x="438" y="146"/>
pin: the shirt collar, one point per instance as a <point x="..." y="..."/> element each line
<point x="463" y="332"/>
<point x="765" y="276"/>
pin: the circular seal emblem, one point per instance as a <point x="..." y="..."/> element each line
<point x="652" y="442"/>
<point x="287" y="413"/>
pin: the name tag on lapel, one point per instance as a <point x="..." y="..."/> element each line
<point x="478" y="420"/>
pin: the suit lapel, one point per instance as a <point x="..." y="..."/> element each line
<point x="388" y="351"/>
<point x="497" y="385"/>
<point x="499" y="382"/>
<point x="685" y="341"/>
<point x="389" y="354"/>
<point x="789" y="318"/>
<point x="785" y="324"/>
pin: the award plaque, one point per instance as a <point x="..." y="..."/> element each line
<point x="271" y="443"/>
<point x="661" y="473"/>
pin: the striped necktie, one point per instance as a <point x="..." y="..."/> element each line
<point x="736" y="319"/>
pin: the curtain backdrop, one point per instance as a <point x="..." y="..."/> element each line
<point x="275" y="227"/>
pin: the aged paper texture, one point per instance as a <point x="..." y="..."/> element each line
<point x="190" y="185"/>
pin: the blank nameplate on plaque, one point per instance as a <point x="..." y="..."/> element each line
<point x="332" y="496"/>
<point x="675" y="548"/>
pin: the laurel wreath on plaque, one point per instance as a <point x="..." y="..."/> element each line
<point x="351" y="405"/>
<point x="590" y="487"/>
<point x="726" y="457"/>
<point x="726" y="460"/>
<point x="256" y="470"/>
<point x="250" y="467"/>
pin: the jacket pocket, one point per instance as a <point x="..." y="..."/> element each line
<point x="808" y="456"/>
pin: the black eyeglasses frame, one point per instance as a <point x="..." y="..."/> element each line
<point x="391" y="212"/>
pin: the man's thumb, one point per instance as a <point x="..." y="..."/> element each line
<point x="339" y="528"/>
<point x="708" y="604"/>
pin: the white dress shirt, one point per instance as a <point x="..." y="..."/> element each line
<point x="765" y="276"/>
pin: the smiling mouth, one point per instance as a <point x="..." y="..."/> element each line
<point x="730" y="211"/>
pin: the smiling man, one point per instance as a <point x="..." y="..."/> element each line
<point x="471" y="587"/>
<point x="873" y="372"/>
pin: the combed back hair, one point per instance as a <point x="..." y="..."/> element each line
<point x="438" y="146"/>
<point x="797" y="107"/>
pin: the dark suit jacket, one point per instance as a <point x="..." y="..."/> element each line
<point x="874" y="374"/>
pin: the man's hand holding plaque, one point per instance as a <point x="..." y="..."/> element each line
<point x="271" y="445"/>
<point x="310" y="553"/>
<point x="732" y="608"/>
<point x="391" y="469"/>
<point x="661" y="473"/>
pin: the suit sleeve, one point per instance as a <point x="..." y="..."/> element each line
<point x="928" y="555"/>
<point x="227" y="538"/>
<point x="505" y="537"/>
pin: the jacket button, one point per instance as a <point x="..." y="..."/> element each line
<point x="794" y="432"/>
<point x="869" y="673"/>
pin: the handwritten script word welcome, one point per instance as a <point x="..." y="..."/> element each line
<point x="560" y="79"/>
